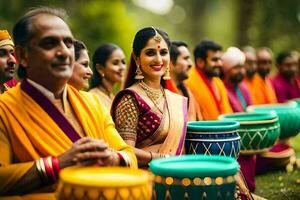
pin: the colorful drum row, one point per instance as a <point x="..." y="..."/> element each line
<point x="184" y="177"/>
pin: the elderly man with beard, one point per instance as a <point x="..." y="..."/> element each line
<point x="204" y="81"/>
<point x="234" y="73"/>
<point x="239" y="98"/>
<point x="7" y="61"/>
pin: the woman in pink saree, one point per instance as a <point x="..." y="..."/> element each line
<point x="147" y="116"/>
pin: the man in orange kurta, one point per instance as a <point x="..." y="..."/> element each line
<point x="259" y="84"/>
<point x="203" y="81"/>
<point x="180" y="65"/>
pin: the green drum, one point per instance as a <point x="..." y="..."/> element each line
<point x="195" y="177"/>
<point x="288" y="114"/>
<point x="297" y="101"/>
<point x="258" y="131"/>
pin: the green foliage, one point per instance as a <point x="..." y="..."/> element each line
<point x="97" y="22"/>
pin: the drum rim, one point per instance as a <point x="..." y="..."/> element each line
<point x="290" y="105"/>
<point x="216" y="125"/>
<point x="215" y="140"/>
<point x="212" y="133"/>
<point x="249" y="117"/>
<point x="141" y="177"/>
<point x="158" y="166"/>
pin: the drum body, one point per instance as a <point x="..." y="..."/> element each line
<point x="195" y="177"/>
<point x="258" y="131"/>
<point x="288" y="114"/>
<point x="213" y="138"/>
<point x="107" y="183"/>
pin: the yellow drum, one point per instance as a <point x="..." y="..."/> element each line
<point x="104" y="183"/>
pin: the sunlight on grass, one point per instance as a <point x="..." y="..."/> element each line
<point x="280" y="185"/>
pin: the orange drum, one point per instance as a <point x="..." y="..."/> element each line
<point x="107" y="183"/>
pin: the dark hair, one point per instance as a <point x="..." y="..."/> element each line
<point x="203" y="47"/>
<point x="140" y="40"/>
<point x="100" y="56"/>
<point x="78" y="46"/>
<point x="174" y="52"/>
<point x="23" y="29"/>
<point x="282" y="56"/>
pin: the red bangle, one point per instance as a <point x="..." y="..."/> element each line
<point x="122" y="160"/>
<point x="49" y="169"/>
<point x="55" y="166"/>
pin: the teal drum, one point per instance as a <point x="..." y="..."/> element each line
<point x="195" y="177"/>
<point x="213" y="138"/>
<point x="288" y="114"/>
<point x="258" y="131"/>
<point x="297" y="101"/>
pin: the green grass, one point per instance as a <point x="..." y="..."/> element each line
<point x="280" y="185"/>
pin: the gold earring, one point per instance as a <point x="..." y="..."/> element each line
<point x="138" y="73"/>
<point x="167" y="74"/>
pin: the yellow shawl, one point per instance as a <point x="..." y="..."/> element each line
<point x="261" y="91"/>
<point x="28" y="133"/>
<point x="209" y="107"/>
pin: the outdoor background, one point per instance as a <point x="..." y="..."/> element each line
<point x="271" y="23"/>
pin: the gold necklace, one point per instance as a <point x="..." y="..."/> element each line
<point x="153" y="94"/>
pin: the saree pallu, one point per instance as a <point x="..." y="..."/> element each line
<point x="151" y="125"/>
<point x="211" y="106"/>
<point x="28" y="132"/>
<point x="194" y="112"/>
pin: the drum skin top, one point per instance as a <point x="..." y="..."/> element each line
<point x="275" y="107"/>
<point x="104" y="176"/>
<point x="243" y="116"/>
<point x="192" y="166"/>
<point x="220" y="125"/>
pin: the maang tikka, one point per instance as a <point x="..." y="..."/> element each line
<point x="158" y="38"/>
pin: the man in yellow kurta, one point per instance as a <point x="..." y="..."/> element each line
<point x="45" y="124"/>
<point x="204" y="82"/>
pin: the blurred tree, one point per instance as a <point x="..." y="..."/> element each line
<point x="92" y="21"/>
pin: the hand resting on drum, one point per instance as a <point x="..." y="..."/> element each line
<point x="88" y="152"/>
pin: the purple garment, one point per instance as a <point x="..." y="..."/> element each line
<point x="234" y="99"/>
<point x="285" y="89"/>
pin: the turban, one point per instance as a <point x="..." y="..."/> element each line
<point x="5" y="38"/>
<point x="232" y="57"/>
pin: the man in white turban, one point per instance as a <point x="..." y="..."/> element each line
<point x="239" y="98"/>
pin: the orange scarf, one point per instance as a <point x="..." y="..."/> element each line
<point x="211" y="104"/>
<point x="261" y="91"/>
